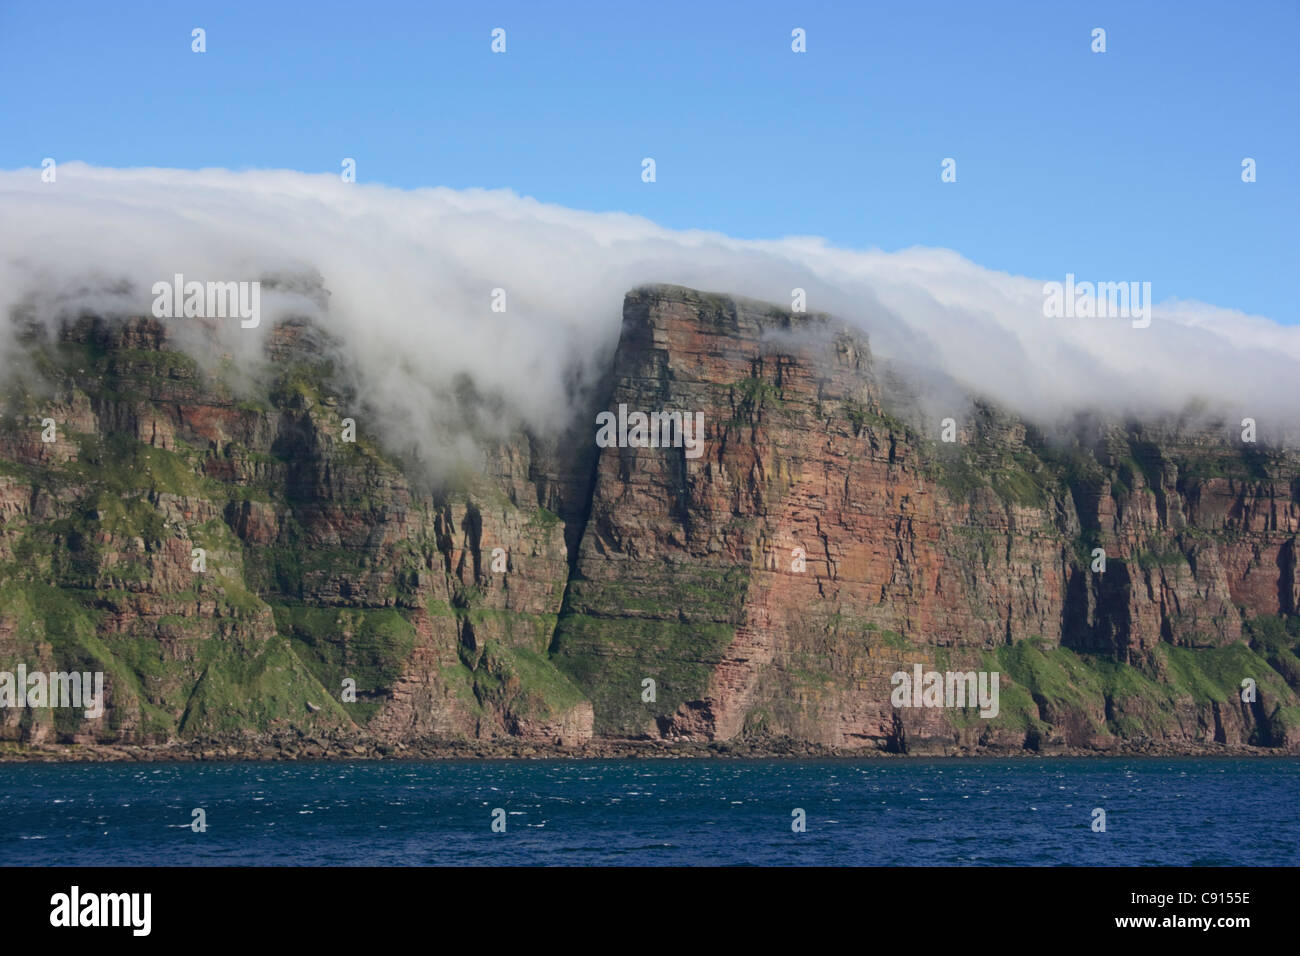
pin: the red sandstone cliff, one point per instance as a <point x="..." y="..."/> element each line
<point x="823" y="540"/>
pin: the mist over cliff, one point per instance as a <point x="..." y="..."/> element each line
<point x="406" y="280"/>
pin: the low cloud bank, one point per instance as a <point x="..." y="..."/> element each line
<point x="411" y="274"/>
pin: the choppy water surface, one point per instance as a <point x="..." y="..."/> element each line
<point x="874" y="812"/>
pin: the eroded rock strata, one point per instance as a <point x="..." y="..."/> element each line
<point x="820" y="540"/>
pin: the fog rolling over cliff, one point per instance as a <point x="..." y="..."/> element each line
<point x="408" y="283"/>
<point x="386" y="477"/>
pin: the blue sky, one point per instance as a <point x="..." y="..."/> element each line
<point x="1116" y="166"/>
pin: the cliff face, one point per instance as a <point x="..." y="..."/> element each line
<point x="321" y="563"/>
<point x="970" y="555"/>
<point x="823" y="539"/>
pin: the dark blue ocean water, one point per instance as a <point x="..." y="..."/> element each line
<point x="874" y="812"/>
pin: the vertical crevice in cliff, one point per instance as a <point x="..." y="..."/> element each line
<point x="1286" y="578"/>
<point x="472" y="525"/>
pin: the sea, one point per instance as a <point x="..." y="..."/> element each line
<point x="688" y="812"/>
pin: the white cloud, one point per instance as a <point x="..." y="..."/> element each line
<point x="410" y="274"/>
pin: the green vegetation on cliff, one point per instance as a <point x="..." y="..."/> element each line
<point x="329" y="560"/>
